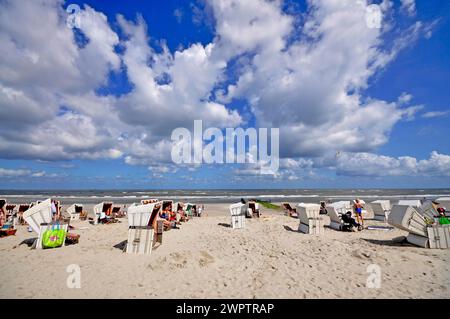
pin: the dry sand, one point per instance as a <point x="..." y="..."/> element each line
<point x="207" y="259"/>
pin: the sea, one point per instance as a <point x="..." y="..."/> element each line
<point x="221" y="195"/>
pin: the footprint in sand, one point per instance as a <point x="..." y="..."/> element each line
<point x="205" y="259"/>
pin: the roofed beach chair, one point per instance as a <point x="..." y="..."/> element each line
<point x="422" y="231"/>
<point x="39" y="218"/>
<point x="335" y="211"/>
<point x="238" y="212"/>
<point x="444" y="202"/>
<point x="8" y="221"/>
<point x="74" y="212"/>
<point x="102" y="211"/>
<point x="253" y="209"/>
<point x="22" y="208"/>
<point x="141" y="227"/>
<point x="178" y="209"/>
<point x="289" y="210"/>
<point x="190" y="209"/>
<point x="381" y="209"/>
<point x="310" y="220"/>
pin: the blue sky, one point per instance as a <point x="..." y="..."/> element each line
<point x="99" y="114"/>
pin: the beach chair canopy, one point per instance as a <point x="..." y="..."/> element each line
<point x="238" y="209"/>
<point x="176" y="206"/>
<point x="116" y="209"/>
<point x="103" y="207"/>
<point x="385" y="203"/>
<point x="23" y="207"/>
<point x="149" y="201"/>
<point x="340" y="207"/>
<point x="335" y="210"/>
<point x="308" y="211"/>
<point x="38" y="214"/>
<point x="166" y="203"/>
<point x="408" y="218"/>
<point x="143" y="215"/>
<point x="10" y="207"/>
<point x="75" y="209"/>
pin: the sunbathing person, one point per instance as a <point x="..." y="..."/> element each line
<point x="443" y="220"/>
<point x="350" y="222"/>
<point x="2" y="217"/>
<point x="183" y="215"/>
<point x="169" y="223"/>
<point x="323" y="209"/>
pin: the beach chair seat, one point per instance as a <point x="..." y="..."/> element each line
<point x="141" y="227"/>
<point x="310" y="220"/>
<point x="238" y="212"/>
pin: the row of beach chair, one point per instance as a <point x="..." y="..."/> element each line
<point x="419" y="219"/>
<point x="144" y="225"/>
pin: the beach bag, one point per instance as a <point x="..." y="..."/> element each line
<point x="53" y="237"/>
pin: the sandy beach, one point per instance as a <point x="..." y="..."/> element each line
<point x="207" y="259"/>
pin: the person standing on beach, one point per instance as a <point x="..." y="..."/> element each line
<point x="358" y="212"/>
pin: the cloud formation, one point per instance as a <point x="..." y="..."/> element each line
<point x="306" y="74"/>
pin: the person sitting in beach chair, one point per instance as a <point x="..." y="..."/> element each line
<point x="323" y="209"/>
<point x="443" y="220"/>
<point x="167" y="217"/>
<point x="180" y="211"/>
<point x="357" y="207"/>
<point x="349" y="222"/>
<point x="291" y="212"/>
<point x="253" y="209"/>
<point x="2" y="216"/>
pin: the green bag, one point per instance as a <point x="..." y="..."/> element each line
<point x="53" y="237"/>
<point x="444" y="221"/>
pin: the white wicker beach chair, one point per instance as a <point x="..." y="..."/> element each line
<point x="238" y="212"/>
<point x="39" y="218"/>
<point x="310" y="220"/>
<point x="74" y="211"/>
<point x="141" y="226"/>
<point x="335" y="210"/>
<point x="101" y="211"/>
<point x="381" y="209"/>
